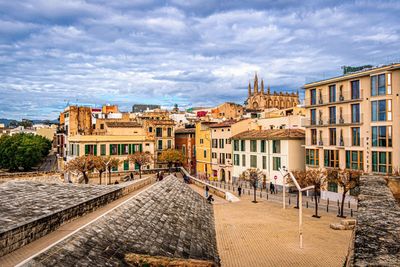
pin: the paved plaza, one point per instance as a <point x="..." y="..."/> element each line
<point x="169" y="219"/>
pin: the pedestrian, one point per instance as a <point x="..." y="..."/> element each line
<point x="158" y="175"/>
<point x="132" y="176"/>
<point x="207" y="189"/>
<point x="116" y="182"/>
<point x="240" y="190"/>
<point x="210" y="199"/>
<point x="272" y="188"/>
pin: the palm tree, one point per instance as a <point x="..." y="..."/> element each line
<point x="140" y="158"/>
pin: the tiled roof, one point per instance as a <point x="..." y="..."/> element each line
<point x="271" y="134"/>
<point x="123" y="124"/>
<point x="223" y="124"/>
<point x="185" y="130"/>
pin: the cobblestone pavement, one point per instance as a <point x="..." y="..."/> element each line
<point x="169" y="219"/>
<point x="263" y="234"/>
<point x="25" y="201"/>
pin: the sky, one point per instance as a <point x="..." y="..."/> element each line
<point x="192" y="53"/>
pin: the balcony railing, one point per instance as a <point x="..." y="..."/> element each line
<point x="338" y="120"/>
<point x="340" y="98"/>
<point x="339" y="142"/>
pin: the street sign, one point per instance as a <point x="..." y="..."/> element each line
<point x="275" y="177"/>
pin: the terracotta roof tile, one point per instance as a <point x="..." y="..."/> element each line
<point x="271" y="134"/>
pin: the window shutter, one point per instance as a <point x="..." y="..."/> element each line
<point x="119" y="149"/>
<point x="77" y="150"/>
<point x="86" y="149"/>
<point x="133" y="148"/>
<point x="95" y="150"/>
<point x="141" y="148"/>
<point x="110" y="149"/>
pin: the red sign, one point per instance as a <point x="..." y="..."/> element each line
<point x="275" y="177"/>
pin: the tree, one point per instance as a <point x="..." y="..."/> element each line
<point x="254" y="177"/>
<point x="141" y="159"/>
<point x="100" y="164"/>
<point x="112" y="163"/>
<point x="347" y="179"/>
<point x="300" y="176"/>
<point x="82" y="164"/>
<point x="22" y="151"/>
<point x="172" y="156"/>
<point x="317" y="178"/>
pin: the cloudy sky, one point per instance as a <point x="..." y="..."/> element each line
<point x="193" y="53"/>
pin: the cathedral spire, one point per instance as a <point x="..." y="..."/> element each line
<point x="255" y="84"/>
<point x="262" y="86"/>
<point x="249" y="89"/>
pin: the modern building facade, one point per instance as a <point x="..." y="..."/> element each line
<point x="144" y="107"/>
<point x="353" y="121"/>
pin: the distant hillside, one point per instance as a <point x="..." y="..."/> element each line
<point x="8" y="121"/>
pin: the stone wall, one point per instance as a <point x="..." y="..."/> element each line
<point x="47" y="177"/>
<point x="19" y="228"/>
<point x="376" y="237"/>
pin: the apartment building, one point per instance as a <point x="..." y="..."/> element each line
<point x="203" y="150"/>
<point x="353" y="121"/>
<point x="268" y="150"/>
<point x="185" y="141"/>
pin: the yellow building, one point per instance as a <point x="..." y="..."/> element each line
<point x="203" y="150"/>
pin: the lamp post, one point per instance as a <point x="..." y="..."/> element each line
<point x="284" y="172"/>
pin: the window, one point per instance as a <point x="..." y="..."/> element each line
<point x="264" y="162"/>
<point x="91" y="150"/>
<point x="221" y="158"/>
<point x="243" y="160"/>
<point x="355" y="136"/>
<point x="312" y="157"/>
<point x="221" y="143"/>
<point x="103" y="150"/>
<point x="332" y="136"/>
<point x="332" y="93"/>
<point x="214" y="155"/>
<point x="332" y="115"/>
<point x="126" y="165"/>
<point x="378" y="85"/>
<point x="313" y="136"/>
<point x="253" y="161"/>
<point x="201" y="141"/>
<point x="160" y="145"/>
<point x="276" y="146"/>
<point x="381" y="110"/>
<point x="124" y="149"/>
<point x="355" y="113"/>
<point x="355" y="89"/>
<point x="313" y="96"/>
<point x="236" y="160"/>
<point x="169" y="144"/>
<point x="276" y="163"/>
<point x="253" y="145"/>
<point x="205" y="153"/>
<point x="333" y="187"/>
<point x="150" y="129"/>
<point x="354" y="160"/>
<point x="102" y="126"/>
<point x="243" y="145"/>
<point x="262" y="146"/>
<point x="331" y="158"/>
<point x="184" y="150"/>
<point x="235" y="145"/>
<point x="313" y="116"/>
<point x="114" y="149"/>
<point x="158" y="132"/>
<point x="382" y="162"/>
<point x="382" y="136"/>
<point x="169" y="132"/>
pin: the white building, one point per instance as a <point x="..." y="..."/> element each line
<point x="268" y="150"/>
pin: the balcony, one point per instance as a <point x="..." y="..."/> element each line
<point x="339" y="120"/>
<point x="344" y="142"/>
<point x="323" y="100"/>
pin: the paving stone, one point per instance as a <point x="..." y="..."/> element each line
<point x="169" y="219"/>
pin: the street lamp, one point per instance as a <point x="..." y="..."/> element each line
<point x="284" y="172"/>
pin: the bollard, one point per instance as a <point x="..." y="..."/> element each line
<point x="327" y="208"/>
<point x="328" y="201"/>
<point x="267" y="196"/>
<point x="349" y="204"/>
<point x="249" y="192"/>
<point x="289" y="201"/>
<point x="338" y="202"/>
<point x="351" y="212"/>
<point x="338" y="211"/>
<point x="307" y="204"/>
<point x="312" y="199"/>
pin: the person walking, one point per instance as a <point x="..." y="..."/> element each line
<point x="240" y="190"/>
<point x="272" y="188"/>
<point x="207" y="189"/>
<point x="132" y="176"/>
